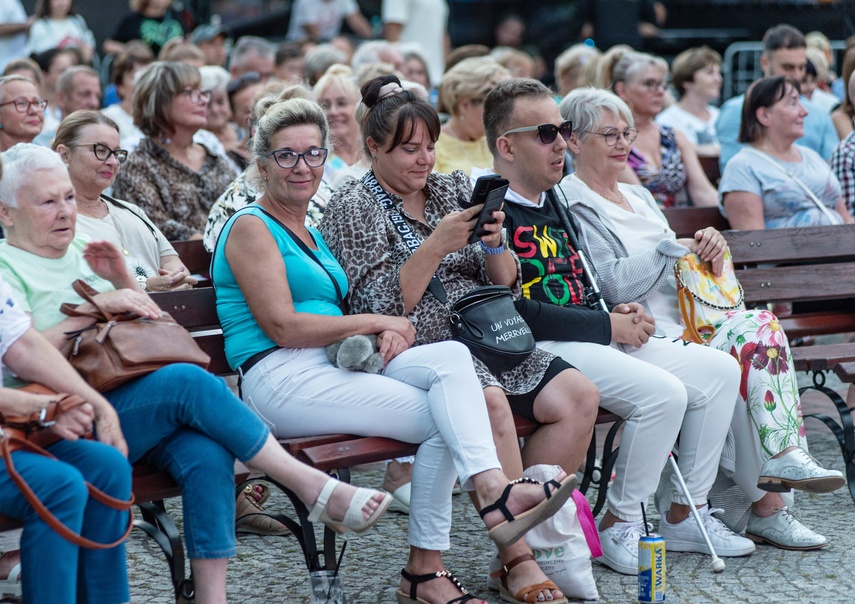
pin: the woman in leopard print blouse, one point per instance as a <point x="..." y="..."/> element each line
<point x="387" y="278"/>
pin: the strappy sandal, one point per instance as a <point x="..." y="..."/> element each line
<point x="416" y="580"/>
<point x="527" y="594"/>
<point x="513" y="528"/>
<point x="353" y="518"/>
<point x="252" y="518"/>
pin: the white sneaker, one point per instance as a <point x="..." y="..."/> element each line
<point x="782" y="529"/>
<point x="620" y="546"/>
<point x="686" y="536"/>
<point x="798" y="470"/>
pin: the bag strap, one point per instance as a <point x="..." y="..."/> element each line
<point x="306" y="250"/>
<point x="594" y="297"/>
<point x="832" y="218"/>
<point x="8" y="444"/>
<point x="686" y="302"/>
<point x="88" y="293"/>
<point x="403" y="228"/>
<point x="586" y="521"/>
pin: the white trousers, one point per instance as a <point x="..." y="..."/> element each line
<point x="661" y="389"/>
<point x="428" y="394"/>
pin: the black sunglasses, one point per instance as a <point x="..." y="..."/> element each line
<point x="547" y="132"/>
<point x="236" y="85"/>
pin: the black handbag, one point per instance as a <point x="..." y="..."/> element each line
<point x="487" y="322"/>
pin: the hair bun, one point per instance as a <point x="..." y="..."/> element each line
<point x="376" y="90"/>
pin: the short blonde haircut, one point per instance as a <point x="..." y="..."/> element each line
<point x="340" y="76"/>
<point x="155" y="87"/>
<point x="631" y="65"/>
<point x="472" y="79"/>
<point x="571" y="66"/>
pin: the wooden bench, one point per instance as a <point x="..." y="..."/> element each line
<point x="807" y="265"/>
<point x="337" y="453"/>
<point x="195" y="258"/>
<point x="685" y="222"/>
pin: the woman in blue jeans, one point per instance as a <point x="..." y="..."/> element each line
<point x="180" y="418"/>
<point x="60" y="570"/>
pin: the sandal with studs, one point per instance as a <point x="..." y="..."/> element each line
<point x="416" y="580"/>
<point x="513" y="527"/>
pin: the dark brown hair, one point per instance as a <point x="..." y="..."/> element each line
<point x="501" y="101"/>
<point x="765" y="92"/>
<point x="393" y="118"/>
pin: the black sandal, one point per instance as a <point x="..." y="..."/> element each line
<point x="513" y="528"/>
<point x="416" y="580"/>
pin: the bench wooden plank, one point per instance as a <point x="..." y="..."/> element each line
<point x="685" y="222"/>
<point x="796" y="283"/>
<point x="822" y="357"/>
<point x="796" y="245"/>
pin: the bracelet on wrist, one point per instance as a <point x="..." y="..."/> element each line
<point x="493" y="251"/>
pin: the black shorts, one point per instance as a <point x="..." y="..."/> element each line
<point x="523" y="404"/>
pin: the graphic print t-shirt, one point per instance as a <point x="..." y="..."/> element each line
<point x="551" y="270"/>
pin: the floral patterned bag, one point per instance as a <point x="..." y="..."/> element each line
<point x="703" y="297"/>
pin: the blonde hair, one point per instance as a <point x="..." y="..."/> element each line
<point x="472" y="79"/>
<point x="571" y="66"/>
<point x="340" y="76"/>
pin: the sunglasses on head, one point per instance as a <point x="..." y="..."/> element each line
<point x="243" y="81"/>
<point x="547" y="132"/>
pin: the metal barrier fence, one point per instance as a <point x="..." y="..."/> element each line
<point x="741" y="65"/>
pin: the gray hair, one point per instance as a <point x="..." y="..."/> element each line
<point x="319" y="59"/>
<point x="585" y="107"/>
<point x="65" y="82"/>
<point x="631" y="65"/>
<point x="284" y="114"/>
<point x="15" y="77"/>
<point x="247" y="45"/>
<point x="370" y="51"/>
<point x="214" y="77"/>
<point x="19" y="164"/>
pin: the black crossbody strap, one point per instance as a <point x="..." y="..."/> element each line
<point x="593" y="295"/>
<point x="403" y="228"/>
<point x="306" y="250"/>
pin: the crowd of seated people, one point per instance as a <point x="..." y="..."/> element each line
<point x="279" y="158"/>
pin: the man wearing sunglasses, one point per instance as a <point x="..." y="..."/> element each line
<point x="526" y="135"/>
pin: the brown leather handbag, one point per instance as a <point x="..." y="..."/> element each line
<point x="119" y="348"/>
<point x="27" y="433"/>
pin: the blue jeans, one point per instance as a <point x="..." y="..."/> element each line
<point x="56" y="570"/>
<point x="187" y="422"/>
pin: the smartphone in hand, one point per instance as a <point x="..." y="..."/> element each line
<point x="489" y="190"/>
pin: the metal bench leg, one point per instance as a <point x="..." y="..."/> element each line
<point x="159" y="525"/>
<point x="304" y="531"/>
<point x="610" y="453"/>
<point x="844" y="431"/>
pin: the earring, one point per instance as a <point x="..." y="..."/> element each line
<point x="1" y="126"/>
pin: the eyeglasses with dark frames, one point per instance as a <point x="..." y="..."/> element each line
<point x="102" y="152"/>
<point x="196" y="95"/>
<point x="546" y="132"/>
<point x="611" y="135"/>
<point x="652" y="84"/>
<point x="23" y="105"/>
<point x="287" y="158"/>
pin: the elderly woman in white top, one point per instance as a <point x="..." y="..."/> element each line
<point x="634" y="252"/>
<point x="88" y="143"/>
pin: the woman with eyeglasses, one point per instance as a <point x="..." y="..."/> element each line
<point x="88" y="143"/>
<point x="362" y="225"/>
<point x="634" y="252"/>
<point x="280" y="293"/>
<point x="173" y="179"/>
<point x="661" y="158"/>
<point x="22" y="111"/>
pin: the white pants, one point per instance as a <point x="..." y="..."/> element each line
<point x="428" y="394"/>
<point x="661" y="389"/>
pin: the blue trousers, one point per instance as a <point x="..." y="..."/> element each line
<point x="187" y="422"/>
<point x="55" y="570"/>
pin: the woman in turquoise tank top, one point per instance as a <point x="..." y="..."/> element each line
<point x="279" y="298"/>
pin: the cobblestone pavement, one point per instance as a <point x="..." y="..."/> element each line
<point x="270" y="569"/>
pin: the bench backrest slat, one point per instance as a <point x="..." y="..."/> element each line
<point x="798" y="283"/>
<point x="685" y="222"/>
<point x="801" y="245"/>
